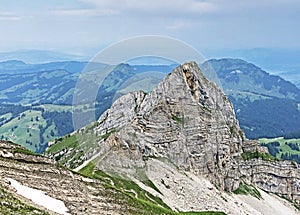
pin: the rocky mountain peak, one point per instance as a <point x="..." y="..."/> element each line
<point x="185" y="129"/>
<point x="186" y="119"/>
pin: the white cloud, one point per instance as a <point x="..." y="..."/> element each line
<point x="177" y="25"/>
<point x="8" y="16"/>
<point x="86" y="12"/>
<point x="155" y="6"/>
<point x="180" y="24"/>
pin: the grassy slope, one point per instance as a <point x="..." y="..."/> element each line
<point x="26" y="127"/>
<point x="245" y="189"/>
<point x="283" y="148"/>
<point x="246" y="95"/>
<point x="83" y="141"/>
<point x="54" y="107"/>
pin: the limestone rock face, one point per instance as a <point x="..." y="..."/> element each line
<point x="281" y="178"/>
<point x="186" y="119"/>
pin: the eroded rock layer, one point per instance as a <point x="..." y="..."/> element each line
<point x="81" y="195"/>
<point x="186" y="119"/>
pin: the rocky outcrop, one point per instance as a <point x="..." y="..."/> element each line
<point x="272" y="175"/>
<point x="186" y="119"/>
<point x="81" y="195"/>
<point x="278" y="177"/>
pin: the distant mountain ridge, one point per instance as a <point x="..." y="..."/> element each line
<point x="283" y="62"/>
<point x="265" y="105"/>
<point x="15" y="66"/>
<point x="39" y="56"/>
<point x="239" y="75"/>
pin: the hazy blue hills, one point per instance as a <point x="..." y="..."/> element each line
<point x="266" y="105"/>
<point x="271" y="59"/>
<point x="19" y="67"/>
<point x="293" y="76"/>
<point x="36" y="99"/>
<point x="283" y="62"/>
<point x="38" y="83"/>
<point x="39" y="56"/>
<point x="53" y="83"/>
<point x="239" y="75"/>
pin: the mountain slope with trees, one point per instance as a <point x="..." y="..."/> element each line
<point x="266" y="105"/>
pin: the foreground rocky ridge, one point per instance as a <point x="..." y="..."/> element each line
<point x="186" y="121"/>
<point x="81" y="195"/>
<point x="180" y="190"/>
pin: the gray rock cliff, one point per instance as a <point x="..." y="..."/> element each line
<point x="186" y="119"/>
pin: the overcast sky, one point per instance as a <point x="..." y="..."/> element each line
<point x="79" y="26"/>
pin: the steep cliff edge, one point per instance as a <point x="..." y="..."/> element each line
<point x="186" y="122"/>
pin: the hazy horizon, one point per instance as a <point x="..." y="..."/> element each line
<point x="83" y="27"/>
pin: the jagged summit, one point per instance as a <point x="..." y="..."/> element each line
<point x="186" y="119"/>
<point x="184" y="131"/>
